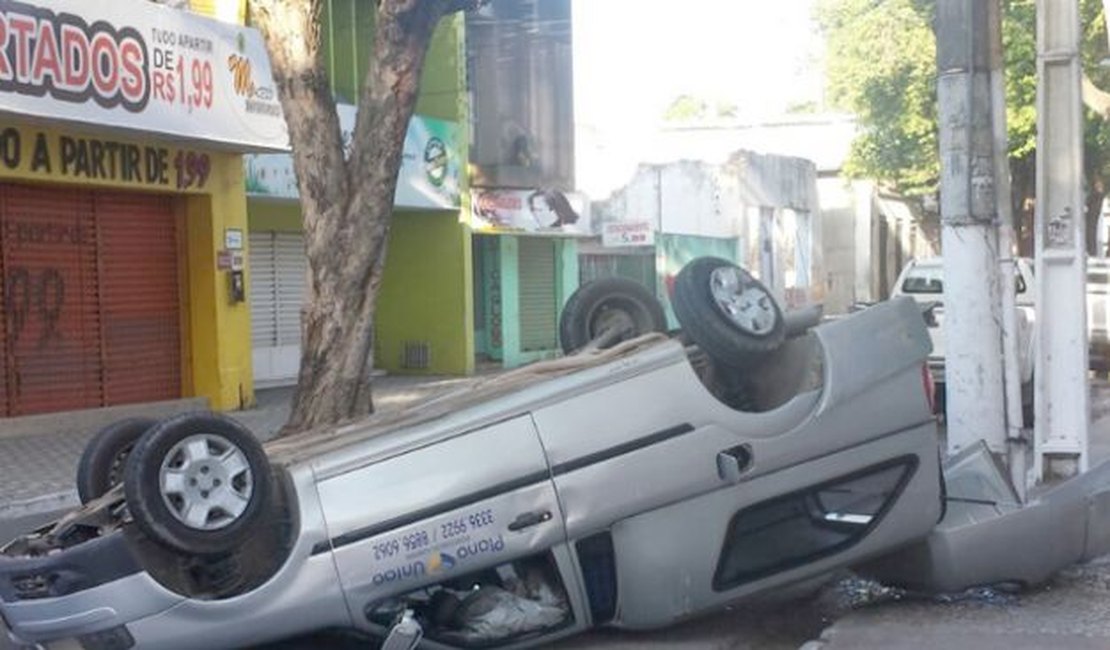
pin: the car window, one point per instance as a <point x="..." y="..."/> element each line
<point x="507" y="603"/>
<point x="931" y="280"/>
<point x="924" y="280"/>
<point x="791" y="530"/>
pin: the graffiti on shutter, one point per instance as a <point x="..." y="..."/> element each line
<point x="52" y="319"/>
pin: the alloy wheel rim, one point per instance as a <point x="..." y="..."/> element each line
<point x="742" y="300"/>
<point x="205" y="481"/>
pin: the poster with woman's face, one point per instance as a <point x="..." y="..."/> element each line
<point x="539" y="211"/>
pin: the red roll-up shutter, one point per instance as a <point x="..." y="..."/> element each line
<point x="4" y="409"/>
<point x="51" y="302"/>
<point x="140" y="303"/>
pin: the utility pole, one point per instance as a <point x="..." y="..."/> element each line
<point x="974" y="368"/>
<point x="1062" y="401"/>
<point x="1017" y="442"/>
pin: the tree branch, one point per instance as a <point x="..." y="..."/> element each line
<point x="1095" y="98"/>
<point x="292" y="33"/>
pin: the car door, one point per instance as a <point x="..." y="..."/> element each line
<point x="701" y="504"/>
<point x="458" y="531"/>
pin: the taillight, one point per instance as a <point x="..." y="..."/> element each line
<point x="930" y="387"/>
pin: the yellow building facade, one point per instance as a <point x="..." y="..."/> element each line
<point x="123" y="212"/>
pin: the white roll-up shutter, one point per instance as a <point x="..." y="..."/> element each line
<point x="261" y="293"/>
<point x="291" y="266"/>
<point x="278" y="268"/>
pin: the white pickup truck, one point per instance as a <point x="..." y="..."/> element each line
<point x="1098" y="313"/>
<point x="923" y="280"/>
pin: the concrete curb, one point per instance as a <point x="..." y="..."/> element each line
<point x="90" y="420"/>
<point x="39" y="505"/>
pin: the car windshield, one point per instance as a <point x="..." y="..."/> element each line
<point x="924" y="280"/>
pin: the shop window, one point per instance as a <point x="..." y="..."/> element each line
<point x="509" y="603"/>
<point x="802" y="527"/>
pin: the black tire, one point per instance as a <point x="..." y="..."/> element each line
<point x="707" y="323"/>
<point x="104" y="460"/>
<point x="159" y="515"/>
<point x="609" y="302"/>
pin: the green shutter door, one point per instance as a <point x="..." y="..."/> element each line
<point x="538" y="313"/>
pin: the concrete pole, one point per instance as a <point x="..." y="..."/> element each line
<point x="974" y="371"/>
<point x="1061" y="395"/>
<point x="1017" y="442"/>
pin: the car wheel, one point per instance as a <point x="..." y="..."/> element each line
<point x="608" y="311"/>
<point x="198" y="483"/>
<point x="104" y="459"/>
<point x="727" y="312"/>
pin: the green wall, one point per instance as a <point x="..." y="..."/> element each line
<point x="443" y="84"/>
<point x="348" y="33"/>
<point x="280" y="215"/>
<point x="426" y="294"/>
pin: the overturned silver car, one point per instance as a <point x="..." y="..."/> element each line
<point x="633" y="485"/>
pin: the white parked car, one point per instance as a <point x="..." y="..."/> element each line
<point x="923" y="280"/>
<point x="1098" y="313"/>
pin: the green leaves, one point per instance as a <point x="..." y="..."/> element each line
<point x="881" y="65"/>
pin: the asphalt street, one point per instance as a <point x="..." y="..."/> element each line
<point x="782" y="627"/>
<point x="1071" y="612"/>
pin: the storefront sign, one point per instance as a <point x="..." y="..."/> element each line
<point x="61" y="156"/>
<point x="429" y="176"/>
<point x="233" y="239"/>
<point x="229" y="260"/>
<point x="134" y="65"/>
<point x="628" y="233"/>
<point x="536" y="211"/>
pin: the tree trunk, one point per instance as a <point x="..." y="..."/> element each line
<point x="347" y="203"/>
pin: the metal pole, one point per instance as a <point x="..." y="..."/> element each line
<point x="969" y="237"/>
<point x="1061" y="396"/>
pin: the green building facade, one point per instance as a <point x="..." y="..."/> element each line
<point x="449" y="298"/>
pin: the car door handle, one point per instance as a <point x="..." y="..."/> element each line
<point x="732" y="463"/>
<point x="529" y="519"/>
